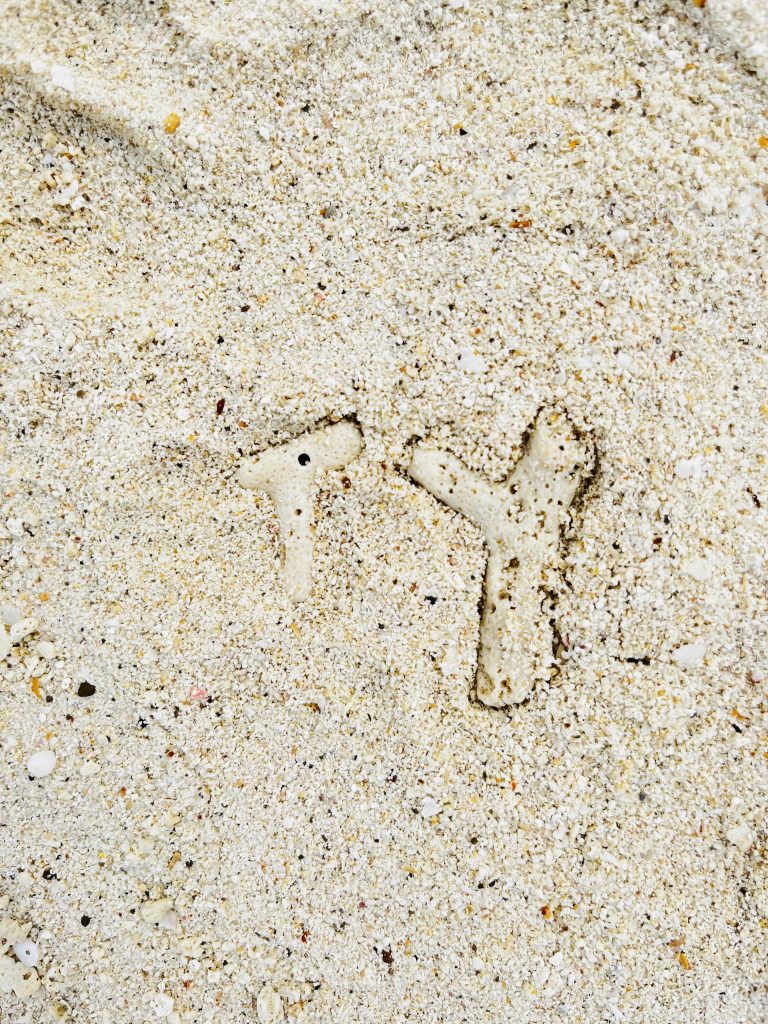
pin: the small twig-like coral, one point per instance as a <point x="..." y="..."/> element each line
<point x="289" y="475"/>
<point x="521" y="520"/>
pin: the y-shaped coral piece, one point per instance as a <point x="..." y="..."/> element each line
<point x="289" y="476"/>
<point x="521" y="520"/>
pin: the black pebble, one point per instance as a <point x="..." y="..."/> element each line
<point x="86" y="690"/>
<point x="85" y="920"/>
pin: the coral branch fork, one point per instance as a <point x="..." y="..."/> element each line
<point x="521" y="520"/>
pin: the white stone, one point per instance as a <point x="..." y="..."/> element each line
<point x="5" y="643"/>
<point x="26" y="952"/>
<point x="694" y="468"/>
<point x="430" y="807"/>
<point x="269" y="1006"/>
<point x="446" y="89"/>
<point x="153" y="911"/>
<point x="169" y="922"/>
<point x="15" y="527"/>
<point x="22" y="629"/>
<point x="450" y="663"/>
<point x="62" y="77"/>
<point x="699" y="568"/>
<point x="67" y="196"/>
<point x="162" y="1004"/>
<point x="41" y="764"/>
<point x="470" y="361"/>
<point x="10" y="614"/>
<point x="690" y="655"/>
<point x="741" y="836"/>
<point x="46" y="649"/>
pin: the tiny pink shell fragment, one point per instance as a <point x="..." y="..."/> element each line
<point x="198" y="693"/>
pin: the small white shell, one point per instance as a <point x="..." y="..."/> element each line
<point x="41" y="764"/>
<point x="26" y="952"/>
<point x="741" y="836"/>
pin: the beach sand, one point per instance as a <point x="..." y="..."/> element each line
<point x="262" y="785"/>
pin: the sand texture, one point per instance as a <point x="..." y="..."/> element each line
<point x="333" y="689"/>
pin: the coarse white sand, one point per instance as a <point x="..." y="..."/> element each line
<point x="228" y="796"/>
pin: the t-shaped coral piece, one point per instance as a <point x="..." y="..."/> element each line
<point x="521" y="520"/>
<point x="289" y="476"/>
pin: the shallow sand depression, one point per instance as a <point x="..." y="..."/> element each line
<point x="248" y="773"/>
